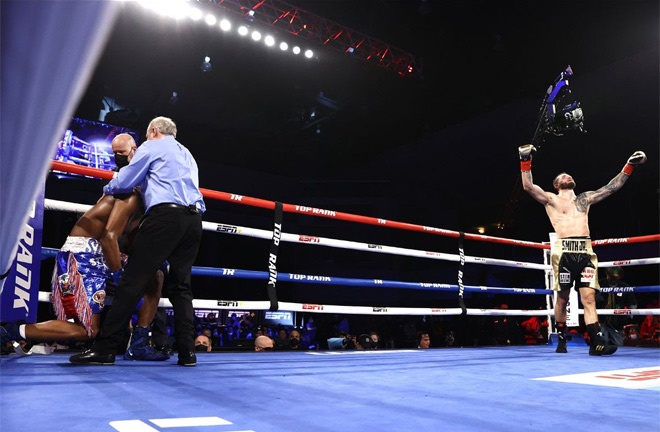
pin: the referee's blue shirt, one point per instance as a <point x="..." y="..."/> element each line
<point x="166" y="173"/>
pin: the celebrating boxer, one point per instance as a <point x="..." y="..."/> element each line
<point x="573" y="260"/>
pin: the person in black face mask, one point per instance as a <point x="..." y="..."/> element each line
<point x="124" y="147"/>
<point x="203" y="343"/>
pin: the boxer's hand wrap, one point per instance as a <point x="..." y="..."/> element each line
<point x="637" y="158"/>
<point x="526" y="153"/>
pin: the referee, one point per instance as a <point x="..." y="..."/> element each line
<point x="167" y="175"/>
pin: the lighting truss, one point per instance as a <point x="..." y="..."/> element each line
<point x="306" y="25"/>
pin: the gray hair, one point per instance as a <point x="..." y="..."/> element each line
<point x="165" y="125"/>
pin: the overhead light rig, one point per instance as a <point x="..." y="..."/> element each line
<point x="306" y="25"/>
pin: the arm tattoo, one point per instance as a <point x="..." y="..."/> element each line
<point x="593" y="197"/>
<point x="616" y="183"/>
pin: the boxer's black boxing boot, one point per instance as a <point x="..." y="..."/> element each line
<point x="599" y="345"/>
<point x="561" y="338"/>
<point x="561" y="344"/>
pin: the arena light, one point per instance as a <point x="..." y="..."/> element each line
<point x="225" y="25"/>
<point x="179" y="9"/>
<point x="210" y="19"/>
<point x="195" y="14"/>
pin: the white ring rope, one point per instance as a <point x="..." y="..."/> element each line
<point x="374" y="310"/>
<point x="365" y="247"/>
<point x="57" y="205"/>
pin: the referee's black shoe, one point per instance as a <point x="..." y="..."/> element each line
<point x="187" y="358"/>
<point x="93" y="358"/>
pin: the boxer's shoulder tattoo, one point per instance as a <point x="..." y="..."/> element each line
<point x="582" y="201"/>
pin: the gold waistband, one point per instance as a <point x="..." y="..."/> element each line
<point x="573" y="245"/>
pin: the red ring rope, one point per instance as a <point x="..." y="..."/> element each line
<point x="331" y="214"/>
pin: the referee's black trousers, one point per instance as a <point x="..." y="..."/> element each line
<point x="166" y="233"/>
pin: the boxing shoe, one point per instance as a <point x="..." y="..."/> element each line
<point x="599" y="344"/>
<point x="187" y="358"/>
<point x="139" y="348"/>
<point x="93" y="358"/>
<point x="600" y="347"/>
<point x="561" y="344"/>
<point x="9" y="333"/>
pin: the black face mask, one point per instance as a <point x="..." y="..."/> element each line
<point x="121" y="161"/>
<point x="201" y="348"/>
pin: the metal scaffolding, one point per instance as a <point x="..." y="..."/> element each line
<point x="301" y="23"/>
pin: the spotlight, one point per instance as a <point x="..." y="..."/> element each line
<point x="206" y="65"/>
<point x="195" y="14"/>
<point x="269" y="40"/>
<point x="225" y="25"/>
<point x="309" y="53"/>
<point x="210" y="19"/>
<point x="242" y="30"/>
<point x="256" y="36"/>
<point x="284" y="46"/>
<point x="296" y="50"/>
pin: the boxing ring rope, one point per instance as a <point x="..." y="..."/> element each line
<point x="344" y="244"/>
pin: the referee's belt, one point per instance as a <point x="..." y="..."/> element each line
<point x="192" y="208"/>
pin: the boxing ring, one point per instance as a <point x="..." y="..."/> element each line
<point x="277" y="235"/>
<point x="504" y="388"/>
